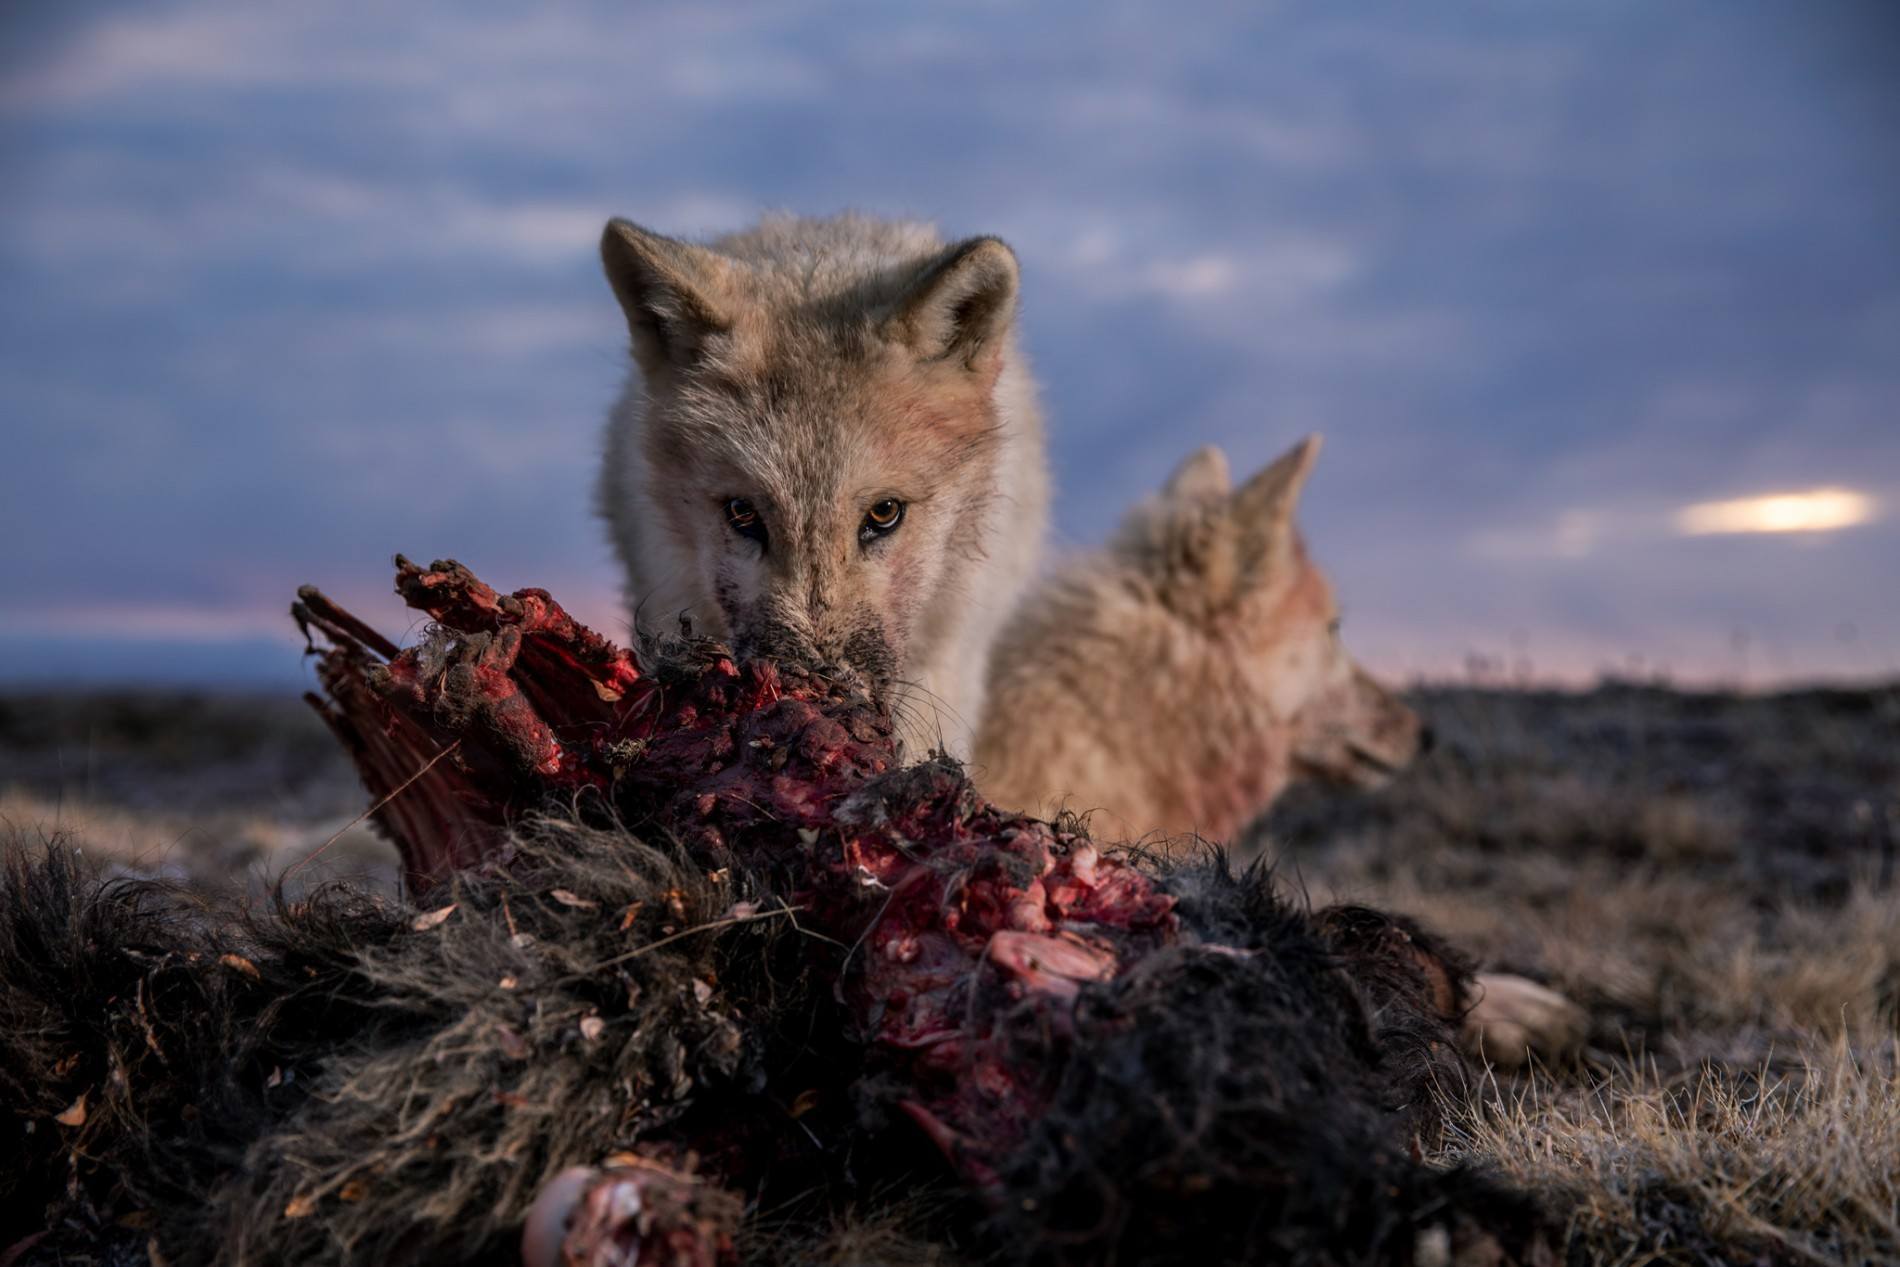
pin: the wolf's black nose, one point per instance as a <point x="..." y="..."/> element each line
<point x="1427" y="739"/>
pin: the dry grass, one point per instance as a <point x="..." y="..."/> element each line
<point x="1661" y="954"/>
<point x="1724" y="1165"/>
<point x="215" y="790"/>
<point x="1712" y="878"/>
<point x="242" y="849"/>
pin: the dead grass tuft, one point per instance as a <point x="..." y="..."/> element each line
<point x="1796" y="1165"/>
<point x="242" y="849"/>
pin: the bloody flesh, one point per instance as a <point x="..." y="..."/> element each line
<point x="966" y="926"/>
<point x="956" y="907"/>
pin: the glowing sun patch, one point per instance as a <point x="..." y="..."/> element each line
<point x="1811" y="510"/>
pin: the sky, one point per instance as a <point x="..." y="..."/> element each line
<point x="287" y="289"/>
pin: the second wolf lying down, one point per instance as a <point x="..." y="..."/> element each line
<point x="1175" y="683"/>
<point x="1243" y="683"/>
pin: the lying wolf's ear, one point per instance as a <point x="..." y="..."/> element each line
<point x="960" y="306"/>
<point x="1201" y="476"/>
<point x="665" y="287"/>
<point x="1265" y="503"/>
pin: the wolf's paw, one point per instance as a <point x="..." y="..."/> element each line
<point x="1515" y="1017"/>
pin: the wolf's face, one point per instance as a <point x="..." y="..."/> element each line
<point x="822" y="511"/>
<point x="819" y="463"/>
<point x="1234" y="568"/>
<point x="1346" y="726"/>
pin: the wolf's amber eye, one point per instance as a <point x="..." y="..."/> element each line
<point x="743" y="518"/>
<point x="883" y="516"/>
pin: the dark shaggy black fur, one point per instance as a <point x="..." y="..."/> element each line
<point x="350" y="1080"/>
<point x="1259" y="1097"/>
<point x="330" y="1082"/>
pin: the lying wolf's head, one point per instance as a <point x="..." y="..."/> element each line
<point x="1177" y="681"/>
<point x="1231" y="564"/>
<point x="820" y="461"/>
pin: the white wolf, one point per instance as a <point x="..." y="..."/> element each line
<point x="831" y="450"/>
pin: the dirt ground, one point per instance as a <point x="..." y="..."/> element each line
<point x="1711" y="876"/>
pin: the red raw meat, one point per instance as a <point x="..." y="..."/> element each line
<point x="957" y="914"/>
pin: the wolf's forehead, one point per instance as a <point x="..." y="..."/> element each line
<point x="799" y="465"/>
<point x="801" y="450"/>
<point x="820" y="413"/>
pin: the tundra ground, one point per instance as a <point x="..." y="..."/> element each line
<point x="1710" y="875"/>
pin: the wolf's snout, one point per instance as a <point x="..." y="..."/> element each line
<point x="1384" y="726"/>
<point x="1363" y="736"/>
<point x="858" y="655"/>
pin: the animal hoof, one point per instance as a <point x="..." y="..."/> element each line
<point x="1515" y="1017"/>
<point x="548" y="1217"/>
<point x="623" y="1215"/>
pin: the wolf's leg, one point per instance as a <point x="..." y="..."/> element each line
<point x="1514" y="1017"/>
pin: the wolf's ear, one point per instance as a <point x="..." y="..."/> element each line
<point x="1201" y="476"/>
<point x="960" y="306"/>
<point x="666" y="288"/>
<point x="1266" y="502"/>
